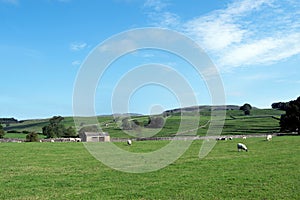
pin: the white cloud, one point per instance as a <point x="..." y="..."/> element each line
<point x="222" y="28"/>
<point x="169" y="19"/>
<point x="157" y="13"/>
<point x="156" y="5"/>
<point x="76" y="62"/>
<point x="213" y="33"/>
<point x="264" y="51"/>
<point x="245" y="32"/>
<point x="77" y="46"/>
<point x="241" y="7"/>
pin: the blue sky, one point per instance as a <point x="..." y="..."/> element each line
<point x="255" y="44"/>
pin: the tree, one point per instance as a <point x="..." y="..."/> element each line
<point x="8" y="121"/>
<point x="126" y="124"/>
<point x="280" y="105"/>
<point x="290" y="121"/>
<point x="56" y="120"/>
<point x="69" y="132"/>
<point x="246" y="108"/>
<point x="55" y="128"/>
<point x="32" y="137"/>
<point x="155" y="122"/>
<point x="2" y="132"/>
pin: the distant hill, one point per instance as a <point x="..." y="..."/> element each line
<point x="232" y="112"/>
<point x="203" y="108"/>
<point x="124" y="114"/>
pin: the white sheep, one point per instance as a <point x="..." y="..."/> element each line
<point x="241" y="146"/>
<point x="269" y="137"/>
<point x="230" y="138"/>
<point x="244" y="137"/>
<point x="51" y="140"/>
<point x="78" y="139"/>
<point x="129" y="142"/>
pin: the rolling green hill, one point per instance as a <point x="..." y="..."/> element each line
<point x="260" y="121"/>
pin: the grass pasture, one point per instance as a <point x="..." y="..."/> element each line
<point x="270" y="170"/>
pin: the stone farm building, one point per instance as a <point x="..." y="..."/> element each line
<point x="95" y="137"/>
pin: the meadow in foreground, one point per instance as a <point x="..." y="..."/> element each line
<point x="270" y="170"/>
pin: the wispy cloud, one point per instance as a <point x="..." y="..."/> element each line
<point x="13" y="2"/>
<point x="77" y="46"/>
<point x="158" y="14"/>
<point x="214" y="33"/>
<point x="76" y="62"/>
<point x="245" y="32"/>
<point x="156" y="5"/>
<point x="265" y="51"/>
<point x="164" y="19"/>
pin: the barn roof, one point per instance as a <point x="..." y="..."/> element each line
<point x="91" y="134"/>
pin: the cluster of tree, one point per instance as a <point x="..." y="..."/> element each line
<point x="290" y="121"/>
<point x="55" y="128"/>
<point x="32" y="137"/>
<point x="153" y="122"/>
<point x="246" y="108"/>
<point x="2" y="132"/>
<point x="129" y="124"/>
<point x="8" y="121"/>
<point x="280" y="105"/>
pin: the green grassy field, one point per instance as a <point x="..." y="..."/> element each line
<point x="270" y="170"/>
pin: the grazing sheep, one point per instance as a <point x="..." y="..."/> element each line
<point x="221" y="138"/>
<point x="72" y="140"/>
<point x="230" y="138"/>
<point x="51" y="140"/>
<point x="241" y="146"/>
<point x="244" y="137"/>
<point x="269" y="137"/>
<point x="129" y="142"/>
<point x="78" y="139"/>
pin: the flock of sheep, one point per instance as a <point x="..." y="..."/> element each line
<point x="240" y="146"/>
<point x="61" y="140"/>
